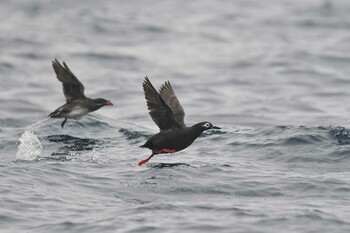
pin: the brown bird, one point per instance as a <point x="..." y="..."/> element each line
<point x="77" y="104"/>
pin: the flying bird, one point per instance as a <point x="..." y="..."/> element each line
<point x="168" y="114"/>
<point x="77" y="104"/>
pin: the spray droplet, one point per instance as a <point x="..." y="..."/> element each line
<point x="29" y="147"/>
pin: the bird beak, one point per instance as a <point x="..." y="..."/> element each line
<point x="109" y="103"/>
<point x="215" y="127"/>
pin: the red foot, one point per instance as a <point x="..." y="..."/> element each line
<point x="165" y="151"/>
<point x="142" y="162"/>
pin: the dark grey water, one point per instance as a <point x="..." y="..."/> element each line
<point x="273" y="74"/>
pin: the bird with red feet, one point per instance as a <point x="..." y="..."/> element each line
<point x="168" y="114"/>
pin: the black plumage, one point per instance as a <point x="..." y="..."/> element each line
<point x="168" y="114"/>
<point x="77" y="104"/>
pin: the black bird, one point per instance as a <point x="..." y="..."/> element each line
<point x="168" y="114"/>
<point x="77" y="103"/>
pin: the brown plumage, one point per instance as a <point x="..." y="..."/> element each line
<point x="77" y="104"/>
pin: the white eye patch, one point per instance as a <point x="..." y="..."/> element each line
<point x="207" y="125"/>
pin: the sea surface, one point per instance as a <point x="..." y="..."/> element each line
<point x="274" y="75"/>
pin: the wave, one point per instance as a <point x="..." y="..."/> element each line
<point x="133" y="134"/>
<point x="341" y="134"/>
<point x="167" y="165"/>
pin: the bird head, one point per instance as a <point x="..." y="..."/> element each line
<point x="103" y="102"/>
<point x="206" y="125"/>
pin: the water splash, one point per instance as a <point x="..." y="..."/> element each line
<point x="30" y="147"/>
<point x="37" y="125"/>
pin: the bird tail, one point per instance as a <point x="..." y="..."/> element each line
<point x="54" y="114"/>
<point x="57" y="113"/>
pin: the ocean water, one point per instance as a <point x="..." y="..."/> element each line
<point x="274" y="75"/>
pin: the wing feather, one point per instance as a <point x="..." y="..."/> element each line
<point x="168" y="95"/>
<point x="160" y="112"/>
<point x="72" y="87"/>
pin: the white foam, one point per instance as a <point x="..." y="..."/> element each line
<point x="29" y="147"/>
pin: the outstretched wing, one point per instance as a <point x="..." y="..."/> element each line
<point x="160" y="112"/>
<point x="168" y="95"/>
<point x="72" y="87"/>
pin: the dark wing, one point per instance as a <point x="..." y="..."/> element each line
<point x="168" y="95"/>
<point x="72" y="87"/>
<point x="160" y="112"/>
